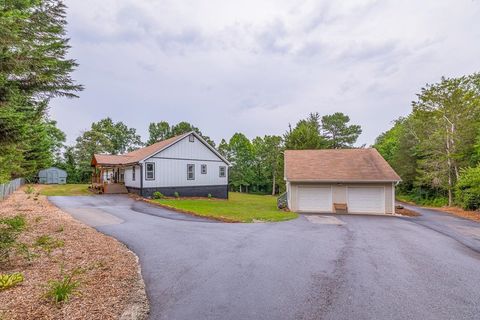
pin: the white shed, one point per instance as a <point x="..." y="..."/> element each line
<point x="52" y="175"/>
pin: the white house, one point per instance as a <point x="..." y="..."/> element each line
<point x="339" y="181"/>
<point x="186" y="164"/>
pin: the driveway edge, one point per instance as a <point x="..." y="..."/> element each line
<point x="138" y="306"/>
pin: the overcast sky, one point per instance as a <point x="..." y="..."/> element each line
<point x="255" y="66"/>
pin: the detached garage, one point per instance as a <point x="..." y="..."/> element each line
<point x="339" y="181"/>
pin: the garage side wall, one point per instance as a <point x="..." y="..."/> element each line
<point x="339" y="193"/>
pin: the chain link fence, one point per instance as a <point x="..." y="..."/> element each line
<point x="7" y="189"/>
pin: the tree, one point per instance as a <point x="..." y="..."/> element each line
<point x="162" y="130"/>
<point x="105" y="136"/>
<point x="305" y="135"/>
<point x="158" y="131"/>
<point x="335" y="130"/>
<point x="430" y="147"/>
<point x="33" y="70"/>
<point x="241" y="157"/>
<point x="268" y="153"/>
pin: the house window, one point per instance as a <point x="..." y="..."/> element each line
<point x="133" y="173"/>
<point x="204" y="169"/>
<point x="223" y="172"/>
<point x="149" y="171"/>
<point x="191" y="138"/>
<point x="190" y="172"/>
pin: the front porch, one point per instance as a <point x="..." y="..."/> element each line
<point x="108" y="180"/>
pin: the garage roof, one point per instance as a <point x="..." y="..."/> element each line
<point x="338" y="165"/>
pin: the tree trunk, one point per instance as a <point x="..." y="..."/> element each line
<point x="240" y="188"/>
<point x="449" y="163"/>
<point x="273" y="183"/>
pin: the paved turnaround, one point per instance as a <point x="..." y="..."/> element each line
<point x="363" y="267"/>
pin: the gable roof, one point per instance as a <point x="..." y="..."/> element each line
<point x="148" y="151"/>
<point x="338" y="165"/>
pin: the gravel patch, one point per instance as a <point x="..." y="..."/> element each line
<point x="111" y="285"/>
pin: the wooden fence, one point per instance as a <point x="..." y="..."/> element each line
<point x="7" y="189"/>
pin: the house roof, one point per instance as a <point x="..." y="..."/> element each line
<point x="340" y="165"/>
<point x="145" y="152"/>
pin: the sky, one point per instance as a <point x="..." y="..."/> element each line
<point x="256" y="66"/>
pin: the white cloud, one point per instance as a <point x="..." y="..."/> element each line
<point x="254" y="67"/>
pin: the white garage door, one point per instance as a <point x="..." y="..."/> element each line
<point x="315" y="199"/>
<point x="366" y="199"/>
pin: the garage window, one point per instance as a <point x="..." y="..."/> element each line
<point x="222" y="172"/>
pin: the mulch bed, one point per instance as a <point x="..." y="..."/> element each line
<point x="111" y="286"/>
<point x="406" y="212"/>
<point x="471" y="215"/>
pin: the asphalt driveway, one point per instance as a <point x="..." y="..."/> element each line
<point x="314" y="267"/>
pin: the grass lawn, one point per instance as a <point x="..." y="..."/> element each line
<point x="62" y="189"/>
<point x="240" y="207"/>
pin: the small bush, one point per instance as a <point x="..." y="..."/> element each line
<point x="467" y="191"/>
<point x="16" y="223"/>
<point x="176" y="194"/>
<point x="48" y="244"/>
<point x="61" y="290"/>
<point x="158" y="195"/>
<point x="210" y="196"/>
<point x="10" y="280"/>
<point x="10" y="228"/>
<point x="29" y="189"/>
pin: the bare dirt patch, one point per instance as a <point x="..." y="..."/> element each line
<point x="111" y="286"/>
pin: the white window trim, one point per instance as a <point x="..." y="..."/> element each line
<point x="224" y="171"/>
<point x="146" y="170"/>
<point x="133" y="173"/>
<point x="203" y="166"/>
<point x="190" y="165"/>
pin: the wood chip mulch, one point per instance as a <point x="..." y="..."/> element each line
<point x="111" y="286"/>
<point x="471" y="215"/>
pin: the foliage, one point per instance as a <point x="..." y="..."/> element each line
<point x="467" y="190"/>
<point x="158" y="195"/>
<point x="10" y="280"/>
<point x="48" y="243"/>
<point x="34" y="69"/>
<point x="29" y="189"/>
<point x="337" y="133"/>
<point x="10" y="229"/>
<point x="104" y="136"/>
<point x="61" y="290"/>
<point x="239" y="207"/>
<point x="163" y="130"/>
<point x="209" y="196"/>
<point x="430" y="146"/>
<point x="176" y="194"/>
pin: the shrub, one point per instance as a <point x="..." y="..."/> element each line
<point x="16" y="223"/>
<point x="29" y="189"/>
<point x="61" y="290"/>
<point x="176" y="194"/>
<point x="158" y="195"/>
<point x="48" y="243"/>
<point x="10" y="280"/>
<point x="10" y="228"/>
<point x="467" y="190"/>
<point x="209" y="196"/>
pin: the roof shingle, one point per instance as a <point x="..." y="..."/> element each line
<point x="342" y="165"/>
<point x="135" y="156"/>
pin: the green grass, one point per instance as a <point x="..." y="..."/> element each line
<point x="64" y="190"/>
<point x="240" y="207"/>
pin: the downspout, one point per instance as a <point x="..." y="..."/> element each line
<point x="141" y="179"/>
